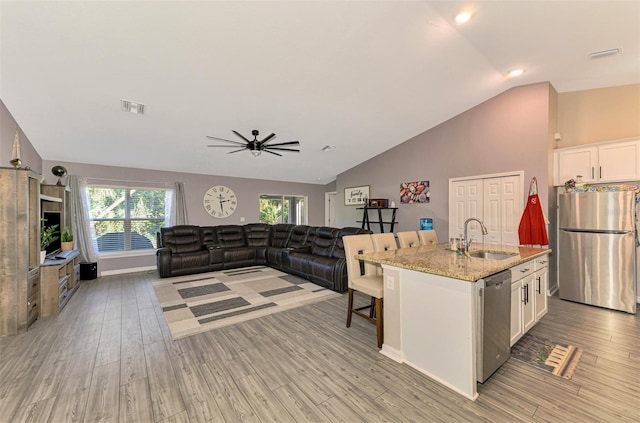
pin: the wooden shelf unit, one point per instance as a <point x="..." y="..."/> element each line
<point x="19" y="249"/>
<point x="59" y="281"/>
<point x="57" y="198"/>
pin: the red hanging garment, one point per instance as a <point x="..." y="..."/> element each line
<point x="532" y="229"/>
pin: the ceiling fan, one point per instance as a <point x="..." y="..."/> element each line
<point x="256" y="147"/>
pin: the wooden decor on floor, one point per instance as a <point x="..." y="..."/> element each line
<point x="559" y="359"/>
<point x="198" y="303"/>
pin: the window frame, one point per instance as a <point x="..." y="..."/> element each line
<point x="169" y="193"/>
<point x="283" y="198"/>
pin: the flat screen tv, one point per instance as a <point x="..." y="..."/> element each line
<point x="52" y="218"/>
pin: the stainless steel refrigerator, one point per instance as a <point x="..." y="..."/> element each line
<point x="597" y="249"/>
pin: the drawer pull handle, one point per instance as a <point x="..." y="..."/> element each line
<point x="524" y="270"/>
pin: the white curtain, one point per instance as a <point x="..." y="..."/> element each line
<point x="80" y="220"/>
<point x="179" y="214"/>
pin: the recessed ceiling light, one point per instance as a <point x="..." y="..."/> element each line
<point x="328" y="148"/>
<point x="463" y="17"/>
<point x="132" y="107"/>
<point x="515" y="72"/>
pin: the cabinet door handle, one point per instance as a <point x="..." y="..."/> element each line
<point x="538" y="284"/>
<point x="600" y="172"/>
<point x="593" y="176"/>
<point x="524" y="295"/>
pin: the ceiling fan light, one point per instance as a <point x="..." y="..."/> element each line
<point x="256" y="153"/>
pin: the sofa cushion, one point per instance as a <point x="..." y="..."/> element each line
<point x="298" y="236"/>
<point x="209" y="236"/>
<point x="230" y="236"/>
<point x="182" y="239"/>
<point x="280" y="235"/>
<point x="324" y="241"/>
<point x="257" y="234"/>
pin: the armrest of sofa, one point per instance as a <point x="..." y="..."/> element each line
<point x="163" y="256"/>
<point x="305" y="249"/>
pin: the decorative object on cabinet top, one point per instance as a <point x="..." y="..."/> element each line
<point x="15" y="156"/>
<point x="60" y="172"/>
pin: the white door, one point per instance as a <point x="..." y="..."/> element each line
<point x="465" y="201"/>
<point x="330" y="209"/>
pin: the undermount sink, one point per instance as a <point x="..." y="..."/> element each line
<point x="491" y="256"/>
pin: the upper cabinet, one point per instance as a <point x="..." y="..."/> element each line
<point x="617" y="161"/>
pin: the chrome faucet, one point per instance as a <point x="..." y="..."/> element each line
<point x="467" y="243"/>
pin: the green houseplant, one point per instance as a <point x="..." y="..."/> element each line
<point x="66" y="239"/>
<point x="47" y="236"/>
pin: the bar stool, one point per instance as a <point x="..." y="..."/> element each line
<point x="384" y="242"/>
<point x="408" y="239"/>
<point x="428" y="237"/>
<point x="364" y="279"/>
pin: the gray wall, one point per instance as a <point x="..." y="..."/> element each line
<point x="195" y="185"/>
<point x="28" y="154"/>
<point x="509" y="132"/>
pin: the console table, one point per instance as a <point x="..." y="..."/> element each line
<point x="59" y="279"/>
<point x="367" y="221"/>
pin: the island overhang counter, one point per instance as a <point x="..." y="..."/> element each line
<point x="431" y="307"/>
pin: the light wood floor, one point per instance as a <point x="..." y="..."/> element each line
<point x="109" y="357"/>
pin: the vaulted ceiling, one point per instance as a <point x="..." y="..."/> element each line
<point x="360" y="76"/>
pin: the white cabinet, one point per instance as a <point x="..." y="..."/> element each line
<point x="617" y="161"/>
<point x="541" y="282"/>
<point x="570" y="162"/>
<point x="497" y="200"/>
<point x="523" y="311"/>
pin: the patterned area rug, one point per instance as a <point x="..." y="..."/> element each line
<point x="558" y="359"/>
<point x="197" y="303"/>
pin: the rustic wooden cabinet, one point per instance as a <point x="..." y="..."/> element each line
<point x="19" y="249"/>
<point x="59" y="281"/>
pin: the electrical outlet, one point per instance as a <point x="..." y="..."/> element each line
<point x="391" y="283"/>
<point x="242" y="219"/>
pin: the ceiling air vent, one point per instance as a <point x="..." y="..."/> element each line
<point x="132" y="107"/>
<point x="605" y="53"/>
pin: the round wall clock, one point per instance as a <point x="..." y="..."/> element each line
<point x="220" y="201"/>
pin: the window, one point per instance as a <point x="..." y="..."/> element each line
<point x="125" y="219"/>
<point x="283" y="209"/>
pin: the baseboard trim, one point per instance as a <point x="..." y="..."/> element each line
<point x="392" y="353"/>
<point x="127" y="270"/>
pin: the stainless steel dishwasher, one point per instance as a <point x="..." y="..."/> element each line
<point x="494" y="323"/>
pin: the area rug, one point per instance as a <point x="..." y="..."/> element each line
<point x="553" y="357"/>
<point x="198" y="303"/>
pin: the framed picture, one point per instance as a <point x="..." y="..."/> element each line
<point x="414" y="192"/>
<point x="356" y="196"/>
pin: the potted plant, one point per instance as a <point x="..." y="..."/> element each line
<point x="66" y="240"/>
<point x="47" y="236"/>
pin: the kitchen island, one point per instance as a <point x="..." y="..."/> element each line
<point x="431" y="307"/>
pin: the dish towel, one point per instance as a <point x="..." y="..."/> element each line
<point x="532" y="229"/>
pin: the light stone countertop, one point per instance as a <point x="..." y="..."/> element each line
<point x="437" y="259"/>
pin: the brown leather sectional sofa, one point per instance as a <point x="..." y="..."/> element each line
<point x="314" y="253"/>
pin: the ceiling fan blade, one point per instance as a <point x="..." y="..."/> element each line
<point x="224" y="146"/>
<point x="225" y="140"/>
<point x="235" y="151"/>
<point x="240" y="135"/>
<point x="271" y="152"/>
<point x="281" y="149"/>
<point x="267" y="139"/>
<point x="284" y="143"/>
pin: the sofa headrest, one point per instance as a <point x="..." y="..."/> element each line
<point x="182" y="238"/>
<point x="280" y="234"/>
<point x="230" y="236"/>
<point x="338" y="249"/>
<point x="324" y="241"/>
<point x="298" y="236"/>
<point x="257" y="234"/>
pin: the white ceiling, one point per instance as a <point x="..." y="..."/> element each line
<point x="362" y="76"/>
